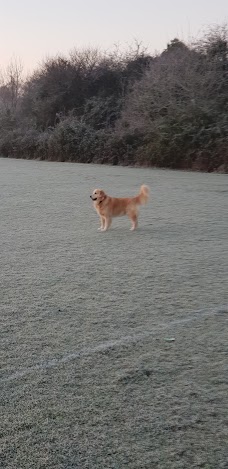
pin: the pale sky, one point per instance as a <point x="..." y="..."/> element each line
<point x="33" y="29"/>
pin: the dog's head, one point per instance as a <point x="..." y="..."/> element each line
<point x="98" y="196"/>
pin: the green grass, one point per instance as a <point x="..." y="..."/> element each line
<point x="88" y="378"/>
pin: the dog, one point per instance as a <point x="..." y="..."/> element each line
<point x="108" y="207"/>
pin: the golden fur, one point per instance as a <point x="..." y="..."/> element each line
<point x="108" y="207"/>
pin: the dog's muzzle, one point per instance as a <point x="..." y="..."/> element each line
<point x="92" y="197"/>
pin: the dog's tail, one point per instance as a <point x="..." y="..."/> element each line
<point x="143" y="196"/>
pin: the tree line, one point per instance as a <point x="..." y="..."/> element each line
<point x="129" y="108"/>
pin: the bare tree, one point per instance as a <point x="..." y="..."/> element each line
<point x="11" y="80"/>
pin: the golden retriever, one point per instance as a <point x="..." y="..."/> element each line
<point x="108" y="207"/>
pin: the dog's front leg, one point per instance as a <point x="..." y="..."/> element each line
<point x="102" y="219"/>
<point x="107" y="224"/>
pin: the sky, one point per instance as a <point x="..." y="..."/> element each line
<point x="32" y="30"/>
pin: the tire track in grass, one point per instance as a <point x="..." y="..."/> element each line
<point x="113" y="344"/>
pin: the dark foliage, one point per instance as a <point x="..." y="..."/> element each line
<point x="168" y="110"/>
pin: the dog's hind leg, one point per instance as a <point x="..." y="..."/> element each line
<point x="134" y="220"/>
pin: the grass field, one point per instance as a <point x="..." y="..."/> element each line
<point x="113" y="345"/>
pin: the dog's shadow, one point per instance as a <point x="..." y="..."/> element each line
<point x="126" y="230"/>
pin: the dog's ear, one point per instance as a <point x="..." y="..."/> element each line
<point x="102" y="195"/>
